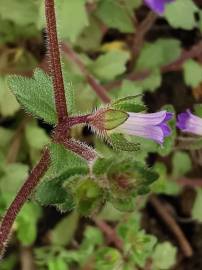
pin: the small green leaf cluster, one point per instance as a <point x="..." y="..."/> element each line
<point x="70" y="184"/>
<point x="167" y="182"/>
<point x="138" y="248"/>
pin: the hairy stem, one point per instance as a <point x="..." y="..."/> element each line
<point x="21" y="198"/>
<point x="75" y="120"/>
<point x="56" y="70"/>
<point x="81" y="149"/>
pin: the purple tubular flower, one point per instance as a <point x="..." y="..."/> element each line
<point x="189" y="122"/>
<point x="157" y="6"/>
<point x="150" y="126"/>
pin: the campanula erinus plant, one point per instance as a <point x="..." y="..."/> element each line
<point x="100" y="134"/>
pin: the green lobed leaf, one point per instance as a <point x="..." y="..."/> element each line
<point x="130" y="88"/>
<point x="192" y="73"/>
<point x="36" y="95"/>
<point x="156" y="54"/>
<point x="91" y="36"/>
<point x="72" y="17"/>
<point x="181" y="164"/>
<point x="136" y="242"/>
<point x="12" y="10"/>
<point x="181" y="14"/>
<point x="164" y="256"/>
<point x="152" y="82"/>
<point x="116" y="14"/>
<point x="109" y="65"/>
<point x="50" y="192"/>
<point x="141" y="254"/>
<point x="92" y="237"/>
<point x="164" y="184"/>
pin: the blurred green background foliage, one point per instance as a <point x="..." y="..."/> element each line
<point x="82" y="219"/>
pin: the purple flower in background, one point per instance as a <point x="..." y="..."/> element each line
<point x="157" y="6"/>
<point x="150" y="126"/>
<point x="189" y="122"/>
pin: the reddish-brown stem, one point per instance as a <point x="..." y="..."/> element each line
<point x="189" y="182"/>
<point x="64" y="123"/>
<point x="173" y="226"/>
<point x="27" y="258"/>
<point x="96" y="86"/>
<point x="141" y="31"/>
<point x="139" y="36"/>
<point x="54" y="56"/>
<point x="194" y="52"/>
<point x="75" y="120"/>
<point x="61" y="131"/>
<point x="21" y="198"/>
<point x="80" y="149"/>
<point x="110" y="233"/>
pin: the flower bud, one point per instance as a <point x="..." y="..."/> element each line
<point x="188" y="122"/>
<point x="107" y="119"/>
<point x="88" y="196"/>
